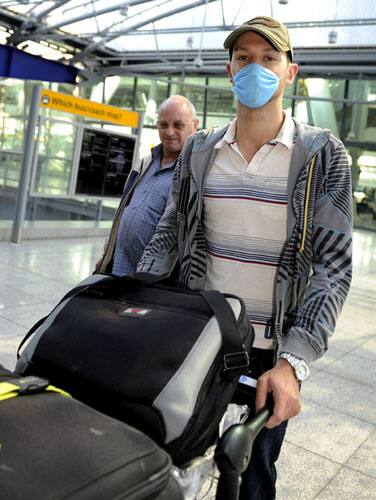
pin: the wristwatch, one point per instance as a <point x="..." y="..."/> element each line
<point x="299" y="365"/>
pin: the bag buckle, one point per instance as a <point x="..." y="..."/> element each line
<point x="29" y="385"/>
<point x="236" y="361"/>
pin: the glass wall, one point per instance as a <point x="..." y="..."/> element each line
<point x="221" y="102"/>
<point x="193" y="88"/>
<point x="55" y="157"/>
<point x="347" y="107"/>
<point x="13" y="95"/>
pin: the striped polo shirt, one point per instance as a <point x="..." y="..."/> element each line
<point x="245" y="222"/>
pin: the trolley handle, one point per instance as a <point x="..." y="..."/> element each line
<point x="256" y="423"/>
<point x="234" y="450"/>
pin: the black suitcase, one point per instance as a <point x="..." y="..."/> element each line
<point x="54" y="447"/>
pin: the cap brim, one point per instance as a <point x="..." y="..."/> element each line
<point x="281" y="47"/>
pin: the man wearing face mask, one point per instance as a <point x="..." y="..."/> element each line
<point x="262" y="209"/>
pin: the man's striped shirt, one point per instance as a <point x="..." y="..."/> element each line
<point x="245" y="222"/>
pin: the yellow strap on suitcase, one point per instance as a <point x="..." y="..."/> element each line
<point x="25" y="386"/>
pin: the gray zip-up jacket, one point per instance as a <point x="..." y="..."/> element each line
<point x="314" y="273"/>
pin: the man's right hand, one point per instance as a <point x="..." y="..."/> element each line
<point x="281" y="382"/>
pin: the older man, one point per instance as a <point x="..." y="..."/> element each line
<point x="262" y="209"/>
<point x="146" y="191"/>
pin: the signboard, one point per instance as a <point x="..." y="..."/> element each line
<point x="90" y="109"/>
<point x="105" y="161"/>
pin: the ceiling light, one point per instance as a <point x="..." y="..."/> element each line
<point x="332" y="37"/>
<point x="190" y="42"/>
<point x="198" y="62"/>
<point x="124" y="10"/>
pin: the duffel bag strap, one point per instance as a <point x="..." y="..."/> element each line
<point x="235" y="357"/>
<point x="72" y="293"/>
<point x="29" y="334"/>
<point x="14" y="387"/>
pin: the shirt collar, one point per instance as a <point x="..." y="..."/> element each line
<point x="157" y="153"/>
<point x="285" y="135"/>
<point x="229" y="136"/>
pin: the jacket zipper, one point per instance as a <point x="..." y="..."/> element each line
<point x="278" y="328"/>
<point x="306" y="205"/>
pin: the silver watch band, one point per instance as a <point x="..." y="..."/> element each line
<point x="299" y="366"/>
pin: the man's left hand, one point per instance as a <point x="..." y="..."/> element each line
<point x="280" y="381"/>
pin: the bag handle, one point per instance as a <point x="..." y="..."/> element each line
<point x="140" y="278"/>
<point x="235" y="358"/>
<point x="29" y="334"/>
<point x="144" y="278"/>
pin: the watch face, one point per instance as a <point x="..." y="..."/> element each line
<point x="301" y="371"/>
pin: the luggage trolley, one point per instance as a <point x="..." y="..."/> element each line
<point x="225" y="461"/>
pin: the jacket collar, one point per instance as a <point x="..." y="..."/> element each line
<point x="285" y="136"/>
<point x="157" y="151"/>
<point x="310" y="139"/>
<point x="157" y="154"/>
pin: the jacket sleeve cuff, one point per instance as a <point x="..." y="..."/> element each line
<point x="298" y="346"/>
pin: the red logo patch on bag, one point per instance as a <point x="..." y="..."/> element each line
<point x="135" y="311"/>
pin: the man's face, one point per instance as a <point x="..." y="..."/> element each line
<point x="251" y="47"/>
<point x="175" y="124"/>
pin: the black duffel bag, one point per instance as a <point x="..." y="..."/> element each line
<point x="156" y="355"/>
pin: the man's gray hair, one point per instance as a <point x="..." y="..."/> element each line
<point x="179" y="99"/>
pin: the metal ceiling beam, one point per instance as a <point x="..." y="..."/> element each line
<point x="164" y="68"/>
<point x="231" y="27"/>
<point x="44" y="13"/>
<point x="333" y="22"/>
<point x="11" y="19"/>
<point x="14" y="21"/>
<point x="32" y="20"/>
<point x="144" y="22"/>
<point x="88" y="15"/>
<point x="324" y="55"/>
<point x="337" y="62"/>
<point x="335" y="69"/>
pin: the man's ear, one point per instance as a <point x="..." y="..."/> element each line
<point x="292" y="70"/>
<point x="195" y="123"/>
<point x="229" y="72"/>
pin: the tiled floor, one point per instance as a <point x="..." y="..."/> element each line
<point x="330" y="450"/>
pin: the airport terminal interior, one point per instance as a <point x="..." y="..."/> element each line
<point x="128" y="57"/>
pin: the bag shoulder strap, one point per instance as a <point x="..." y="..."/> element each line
<point x="29" y="334"/>
<point x="35" y="327"/>
<point x="235" y="357"/>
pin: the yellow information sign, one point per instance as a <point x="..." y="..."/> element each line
<point x="85" y="107"/>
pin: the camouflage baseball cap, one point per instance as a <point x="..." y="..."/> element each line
<point x="275" y="32"/>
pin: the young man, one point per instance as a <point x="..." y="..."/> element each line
<point x="262" y="209"/>
<point x="146" y="190"/>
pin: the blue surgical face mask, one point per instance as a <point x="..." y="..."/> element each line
<point x="254" y="85"/>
